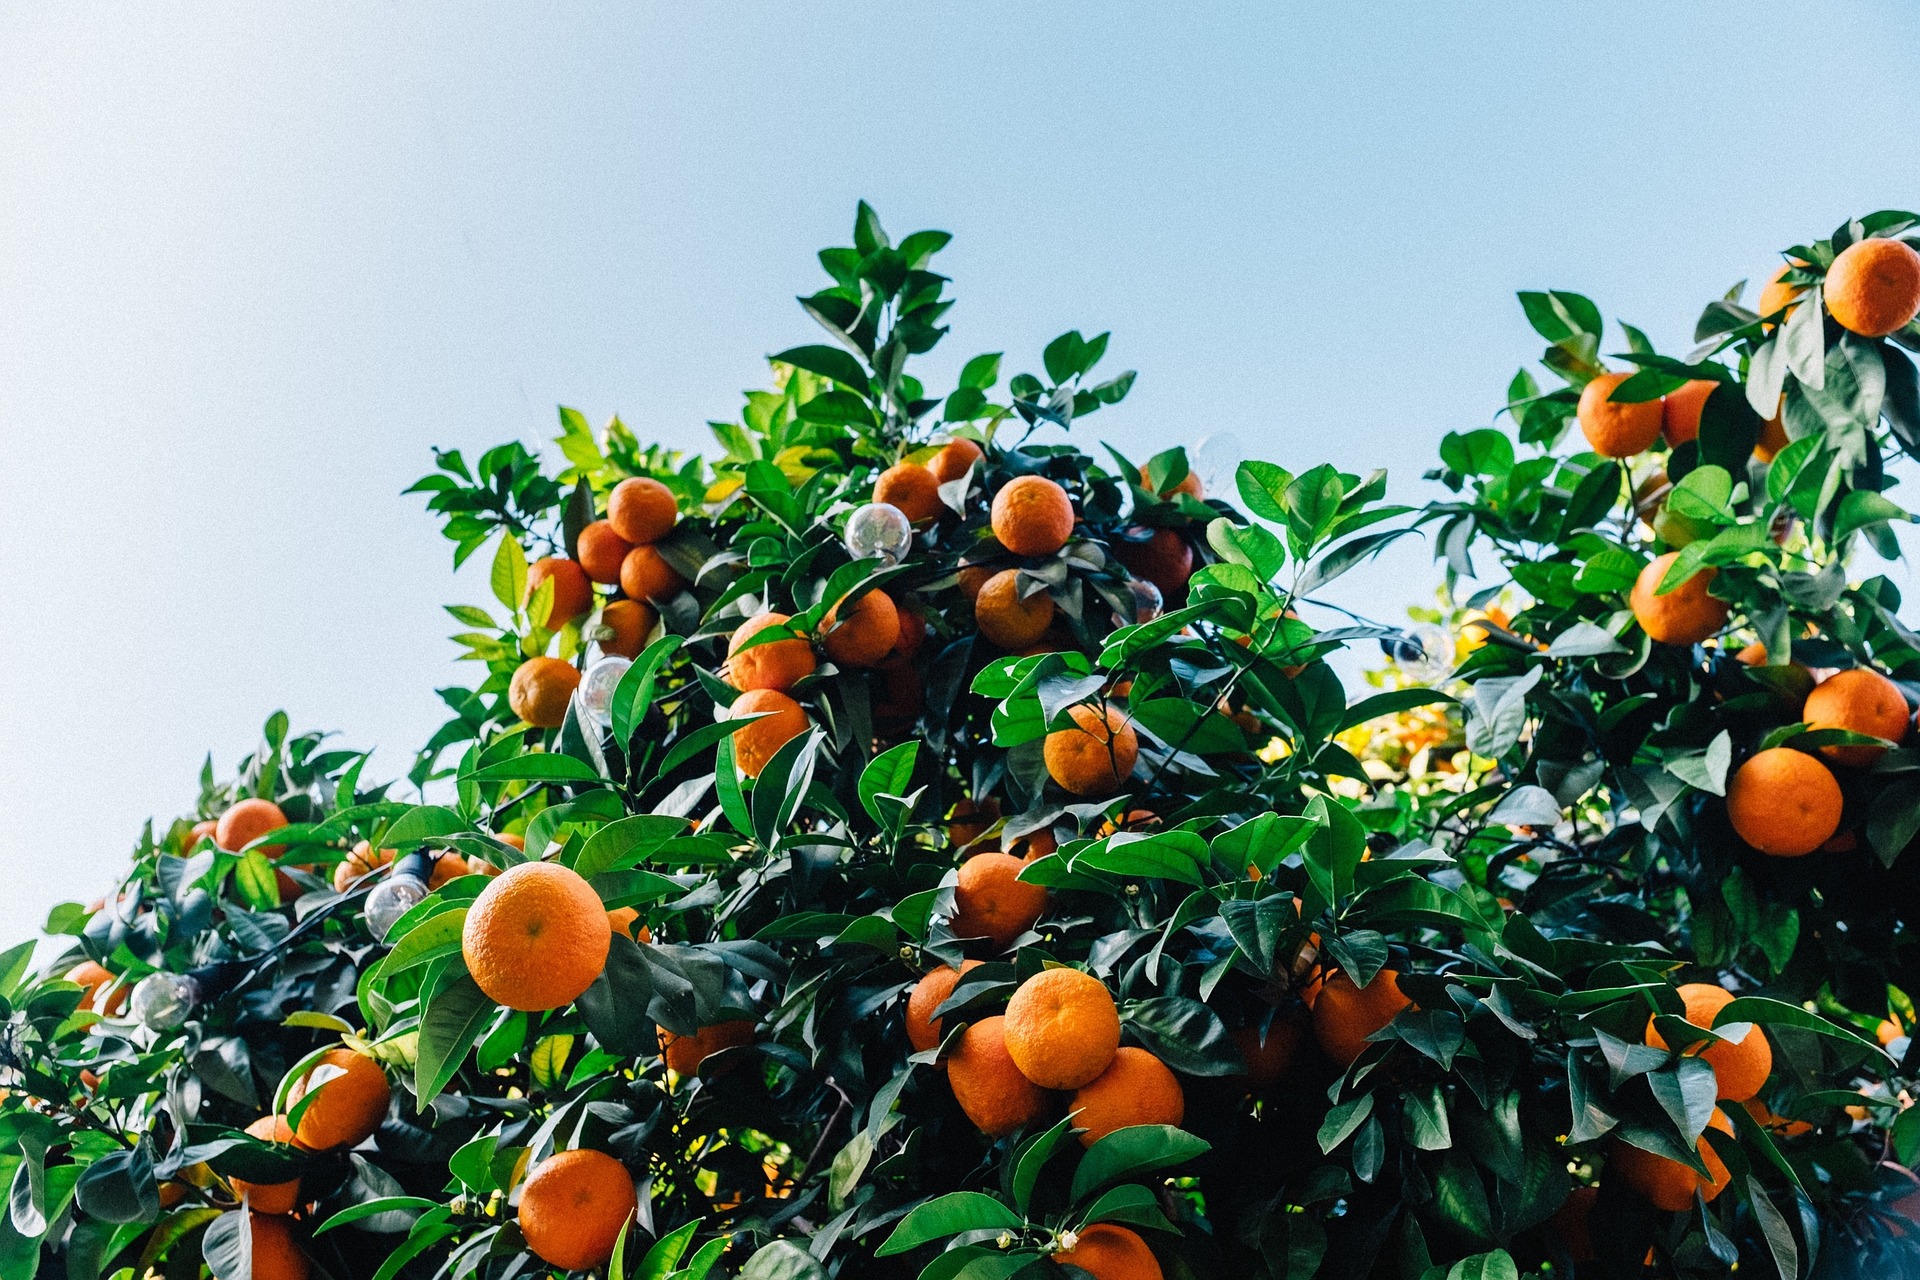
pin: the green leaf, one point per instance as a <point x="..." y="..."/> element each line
<point x="1485" y="1266"/>
<point x="828" y="362"/>
<point x="536" y="766"/>
<point x="253" y="877"/>
<point x="1772" y="1012"/>
<point x="368" y="1208"/>
<point x="633" y="696"/>
<point x="887" y="774"/>
<point x="509" y="575"/>
<point x="436" y="936"/>
<point x="626" y="843"/>
<point x="949" y="1215"/>
<point x="452" y="1022"/>
<point x="1132" y="1204"/>
<point x="1032" y="1159"/>
<point x="1169" y="855"/>
<point x="1140" y="1148"/>
<point x="1263" y="487"/>
<point x="1341" y="1121"/>
<point x="1863" y="507"/>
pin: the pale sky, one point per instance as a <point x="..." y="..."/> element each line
<point x="256" y="259"/>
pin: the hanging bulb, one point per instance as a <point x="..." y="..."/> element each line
<point x="1147" y="600"/>
<point x="879" y="529"/>
<point x="162" y="1001"/>
<point x="596" y="688"/>
<point x="399" y="893"/>
<point x="1216" y="461"/>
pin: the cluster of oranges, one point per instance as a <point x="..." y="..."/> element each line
<point x="618" y="551"/>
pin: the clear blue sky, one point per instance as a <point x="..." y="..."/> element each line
<point x="256" y="259"/>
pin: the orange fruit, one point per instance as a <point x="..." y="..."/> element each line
<point x="540" y="691"/>
<point x="1095" y="755"/>
<point x="1005" y="617"/>
<point x="1773" y="436"/>
<point x="928" y="994"/>
<point x="954" y="458"/>
<point x="756" y="744"/>
<point x="913" y="634"/>
<point x="1777" y="296"/>
<point x="1268" y="1059"/>
<point x="1108" y="1251"/>
<point x="622" y="920"/>
<point x="774" y="664"/>
<point x="362" y="859"/>
<point x="246" y="822"/>
<point x="1189" y="485"/>
<point x="685" y="1053"/>
<point x="1784" y="802"/>
<point x="93" y="977"/>
<point x="1345" y="1015"/>
<point x="968" y="820"/>
<point x="447" y="866"/>
<point x="1136" y="1088"/>
<point x="642" y="510"/>
<point x="1753" y="655"/>
<point x="1873" y="287"/>
<point x="198" y="832"/>
<point x="275" y="1254"/>
<point x="602" y="551"/>
<point x="517" y="841"/>
<point x="269" y="1197"/>
<point x="899" y="698"/>
<point x="991" y="901"/>
<point x="646" y="575"/>
<point x="346" y="1108"/>
<point x="986" y="1084"/>
<point x="1860" y="700"/>
<point x="1034" y="845"/>
<point x="972" y="578"/>
<point x="1165" y="560"/>
<point x="866" y="635"/>
<point x="1571" y="1223"/>
<point x="574" y="1205"/>
<point x="572" y="593"/>
<point x="1668" y="1184"/>
<point x="1131" y="820"/>
<point x="536" y="937"/>
<point x="1032" y="516"/>
<point x="1740" y="1068"/>
<point x="631" y="623"/>
<point x="1062" y="1028"/>
<point x="1680" y="411"/>
<point x="1685" y="615"/>
<point x="912" y="489"/>
<point x="1778" y="1125"/>
<point x="1616" y="429"/>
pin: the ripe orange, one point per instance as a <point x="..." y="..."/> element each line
<point x="986" y="1084"/>
<point x="928" y="994"/>
<point x="954" y="458"/>
<point x="1784" y="802"/>
<point x="756" y="744"/>
<point x="1062" y="1028"/>
<point x="1007" y="619"/>
<point x="1685" y="615"/>
<point x="275" y="1254"/>
<point x="1778" y="1125"/>
<point x="601" y="552"/>
<point x="631" y="623"/>
<point x="346" y="1109"/>
<point x="646" y="575"/>
<point x="1032" y="516"/>
<point x="574" y="1205"/>
<point x="1863" y="701"/>
<point x="1034" y="845"/>
<point x="362" y="859"/>
<point x="1740" y="1068"/>
<point x="199" y="831"/>
<point x="269" y="1197"/>
<point x="1616" y="429"/>
<point x="246" y="822"/>
<point x="774" y="664"/>
<point x="972" y="578"/>
<point x="623" y="919"/>
<point x="642" y="510"/>
<point x="1777" y="296"/>
<point x="1136" y="1088"/>
<point x="572" y="593"/>
<point x="1773" y="437"/>
<point x="1873" y="287"/>
<point x="1668" y="1184"/>
<point x="911" y="488"/>
<point x="1268" y="1059"/>
<point x="540" y="691"/>
<point x="1680" y="411"/>
<point x="1571" y="1223"/>
<point x="1345" y="1015"/>
<point x="913" y="634"/>
<point x="446" y="866"/>
<point x="968" y="820"/>
<point x="1107" y="1251"/>
<point x="1096" y="754"/>
<point x="685" y="1053"/>
<point x="898" y="699"/>
<point x="1189" y="484"/>
<point x="536" y="937"/>
<point x="991" y="901"/>
<point x="866" y="635"/>
<point x="1165" y="560"/>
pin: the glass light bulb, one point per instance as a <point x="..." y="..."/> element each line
<point x="1147" y="600"/>
<point x="597" y="686"/>
<point x="1216" y="461"/>
<point x="162" y="1001"/>
<point x="1429" y="655"/>
<point x="390" y="900"/>
<point x="879" y="529"/>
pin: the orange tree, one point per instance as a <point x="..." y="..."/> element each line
<point x="906" y="845"/>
